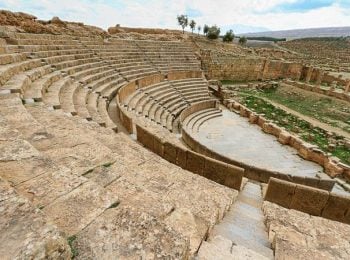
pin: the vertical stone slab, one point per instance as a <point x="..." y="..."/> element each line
<point x="309" y="200"/>
<point x="158" y="146"/>
<point x="169" y="152"/>
<point x="144" y="137"/>
<point x="194" y="162"/>
<point x="234" y="177"/>
<point x="214" y="170"/>
<point x="336" y="208"/>
<point x="181" y="157"/>
<point x="280" y="192"/>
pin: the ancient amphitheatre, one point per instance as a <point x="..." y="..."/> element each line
<point x="153" y="144"/>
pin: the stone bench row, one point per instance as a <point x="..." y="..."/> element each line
<point x="194" y="121"/>
<point x="309" y="200"/>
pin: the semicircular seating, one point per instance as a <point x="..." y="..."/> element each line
<point x="81" y="75"/>
<point x="163" y="102"/>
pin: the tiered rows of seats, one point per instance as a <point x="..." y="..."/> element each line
<point x="112" y="197"/>
<point x="332" y="53"/>
<point x="164" y="101"/>
<point x="193" y="122"/>
<point x="81" y="75"/>
<point x="169" y="56"/>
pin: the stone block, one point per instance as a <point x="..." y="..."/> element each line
<point x="158" y="146"/>
<point x="298" y="179"/>
<point x="194" y="162"/>
<point x="214" y="170"/>
<point x="234" y="177"/>
<point x="280" y="192"/>
<point x="312" y="182"/>
<point x="271" y="128"/>
<point x="252" y="173"/>
<point x="336" y="207"/>
<point x="253" y="118"/>
<point x="144" y="137"/>
<point x="181" y="157"/>
<point x="261" y="121"/>
<point x="295" y="142"/>
<point x="326" y="184"/>
<point x="317" y="156"/>
<point x="169" y="152"/>
<point x="309" y="200"/>
<point x="332" y="168"/>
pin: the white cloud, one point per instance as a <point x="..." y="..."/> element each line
<point x="158" y="13"/>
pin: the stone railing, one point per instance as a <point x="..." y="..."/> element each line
<point x="253" y="172"/>
<point x="309" y="200"/>
<point x="217" y="171"/>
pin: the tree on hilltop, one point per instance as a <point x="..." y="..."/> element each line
<point x="242" y="40"/>
<point x="182" y="21"/>
<point x="213" y="32"/>
<point x="229" y="36"/>
<point x="199" y="28"/>
<point x="192" y="25"/>
<point x="205" y="29"/>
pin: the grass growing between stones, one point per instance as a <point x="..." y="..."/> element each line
<point x="327" y="110"/>
<point x="70" y="241"/>
<point x="333" y="144"/>
<point x="232" y="82"/>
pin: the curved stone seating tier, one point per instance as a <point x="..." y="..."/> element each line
<point x="195" y="120"/>
<point x="81" y="177"/>
<point x="163" y="101"/>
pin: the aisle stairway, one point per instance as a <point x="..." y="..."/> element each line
<point x="242" y="228"/>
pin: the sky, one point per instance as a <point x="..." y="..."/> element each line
<point x="240" y="15"/>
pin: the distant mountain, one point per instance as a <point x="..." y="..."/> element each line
<point x="242" y="28"/>
<point x="304" y="33"/>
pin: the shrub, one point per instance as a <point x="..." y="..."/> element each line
<point x="242" y="40"/>
<point x="213" y="32"/>
<point x="229" y="36"/>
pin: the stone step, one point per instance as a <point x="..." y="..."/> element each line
<point x="220" y="248"/>
<point x="244" y="223"/>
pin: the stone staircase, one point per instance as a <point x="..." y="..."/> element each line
<point x="242" y="233"/>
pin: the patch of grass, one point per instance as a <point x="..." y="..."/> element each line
<point x="106" y="165"/>
<point x="70" y="241"/>
<point x="327" y="110"/>
<point x="114" y="205"/>
<point x="231" y="82"/>
<point x="296" y="125"/>
<point x="87" y="172"/>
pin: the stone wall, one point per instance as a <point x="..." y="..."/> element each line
<point x="217" y="171"/>
<point x="309" y="200"/>
<point x="245" y="68"/>
<point x="253" y="172"/>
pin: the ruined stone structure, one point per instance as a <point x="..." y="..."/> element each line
<point x="73" y="183"/>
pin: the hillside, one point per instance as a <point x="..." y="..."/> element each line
<point x="304" y="33"/>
